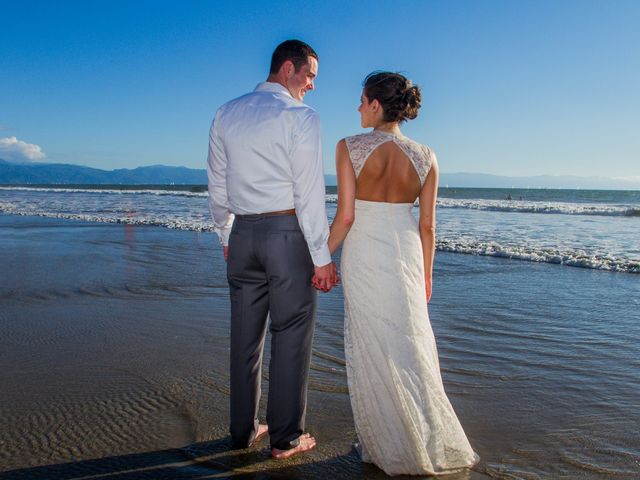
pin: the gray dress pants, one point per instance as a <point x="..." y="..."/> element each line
<point x="269" y="271"/>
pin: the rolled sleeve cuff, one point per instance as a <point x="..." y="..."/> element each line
<point x="224" y="232"/>
<point x="321" y="256"/>
<point x="223" y="235"/>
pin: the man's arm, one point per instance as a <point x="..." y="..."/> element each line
<point x="217" y="176"/>
<point x="309" y="197"/>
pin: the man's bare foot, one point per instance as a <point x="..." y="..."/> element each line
<point x="263" y="429"/>
<point x="307" y="442"/>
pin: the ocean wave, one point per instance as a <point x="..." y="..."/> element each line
<point x="523" y="206"/>
<point x="109" y="191"/>
<point x="516" y="206"/>
<point x="572" y="258"/>
<point x="167" y="221"/>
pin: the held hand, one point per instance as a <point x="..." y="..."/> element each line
<point x="325" y="277"/>
<point x="335" y="280"/>
<point x="225" y="252"/>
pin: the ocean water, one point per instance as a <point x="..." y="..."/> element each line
<point x="114" y="338"/>
<point x="579" y="228"/>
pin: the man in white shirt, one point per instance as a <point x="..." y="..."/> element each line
<point x="267" y="200"/>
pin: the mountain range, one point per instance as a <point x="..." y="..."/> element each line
<point x="12" y="173"/>
<point x="62" y="173"/>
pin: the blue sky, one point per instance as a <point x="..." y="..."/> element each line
<point x="510" y="87"/>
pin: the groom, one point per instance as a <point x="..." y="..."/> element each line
<point x="266" y="196"/>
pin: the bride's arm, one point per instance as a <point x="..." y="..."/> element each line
<point x="427" y="223"/>
<point x="346" y="197"/>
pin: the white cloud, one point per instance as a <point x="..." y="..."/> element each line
<point x="16" y="150"/>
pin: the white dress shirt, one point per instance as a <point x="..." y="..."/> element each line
<point x="265" y="156"/>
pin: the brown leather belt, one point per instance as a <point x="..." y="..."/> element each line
<point x="291" y="211"/>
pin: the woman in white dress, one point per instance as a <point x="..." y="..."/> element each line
<point x="404" y="420"/>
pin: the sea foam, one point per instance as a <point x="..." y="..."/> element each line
<point x="516" y="206"/>
<point x="524" y="206"/>
<point x="201" y="223"/>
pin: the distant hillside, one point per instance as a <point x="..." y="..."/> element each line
<point x="59" y="173"/>
<point x="481" y="180"/>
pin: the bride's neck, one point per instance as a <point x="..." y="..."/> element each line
<point x="388" y="127"/>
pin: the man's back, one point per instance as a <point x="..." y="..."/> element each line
<point x="258" y="132"/>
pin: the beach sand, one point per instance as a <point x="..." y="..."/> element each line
<point x="114" y="363"/>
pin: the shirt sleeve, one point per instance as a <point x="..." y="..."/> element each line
<point x="308" y="187"/>
<point x="217" y="177"/>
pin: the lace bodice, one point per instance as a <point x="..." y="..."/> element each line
<point x="361" y="146"/>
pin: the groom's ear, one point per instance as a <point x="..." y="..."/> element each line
<point x="289" y="68"/>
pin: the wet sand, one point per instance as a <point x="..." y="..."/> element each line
<point x="114" y="363"/>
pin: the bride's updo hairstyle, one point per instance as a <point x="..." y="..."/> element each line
<point x="400" y="99"/>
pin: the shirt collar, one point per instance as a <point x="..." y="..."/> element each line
<point x="272" y="87"/>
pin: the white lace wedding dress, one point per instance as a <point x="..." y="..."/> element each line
<point x="403" y="418"/>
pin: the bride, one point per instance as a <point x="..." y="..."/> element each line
<point x="403" y="418"/>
